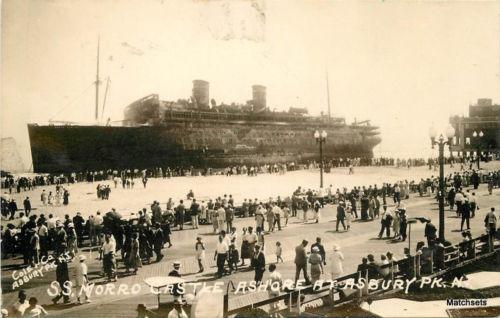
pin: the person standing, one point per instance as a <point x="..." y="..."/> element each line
<point x="66" y="197"/>
<point x="385" y="223"/>
<point x="277" y="215"/>
<point x="340" y="216"/>
<point x="27" y="206"/>
<point x="301" y="262"/>
<point x="348" y="215"/>
<point x="179" y="214"/>
<point x="473" y="205"/>
<point x="490" y="222"/>
<point x="158" y="241"/>
<point x="43" y="234"/>
<point x="247" y="247"/>
<point x="465" y="212"/>
<point x="200" y="253"/>
<point x="336" y="260"/>
<point x="402" y="224"/>
<point x="81" y="280"/>
<point x="316" y="265"/>
<point x="134" y="257"/>
<point x="221" y="218"/>
<point x="108" y="257"/>
<point x="259" y="264"/>
<point x="229" y="217"/>
<point x="194" y="210"/>
<point x="72" y="240"/>
<point x="321" y="249"/>
<point x="62" y="277"/>
<point x="44" y="197"/>
<point x="430" y="233"/>
<point x="176" y="272"/>
<point x="220" y="256"/>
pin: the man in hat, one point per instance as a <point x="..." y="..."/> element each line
<point x="177" y="311"/>
<point x="176" y="273"/>
<point x="465" y="211"/>
<point x="27" y="206"/>
<point x="81" y="279"/>
<point x="60" y="239"/>
<point x="62" y="277"/>
<point x="340" y="215"/>
<point x="221" y="255"/>
<point x="301" y="262"/>
<point x="430" y="233"/>
<point x="158" y="241"/>
<point x="259" y="264"/>
<point x="321" y="249"/>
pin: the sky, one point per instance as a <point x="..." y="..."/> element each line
<point x="405" y="65"/>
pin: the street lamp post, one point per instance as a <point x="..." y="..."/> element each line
<point x="441" y="142"/>
<point x="477" y="137"/>
<point x="320" y="139"/>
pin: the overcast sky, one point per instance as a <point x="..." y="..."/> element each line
<point x="403" y="65"/>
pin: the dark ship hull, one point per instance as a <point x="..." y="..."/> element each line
<point x="198" y="143"/>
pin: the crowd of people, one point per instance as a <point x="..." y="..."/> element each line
<point x="143" y="237"/>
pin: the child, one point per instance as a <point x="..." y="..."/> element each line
<point x="278" y="252"/>
<point x="234" y="258"/>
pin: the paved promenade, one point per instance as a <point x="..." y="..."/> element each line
<point x="356" y="243"/>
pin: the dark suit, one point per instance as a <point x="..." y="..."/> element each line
<point x="259" y="265"/>
<point x="301" y="263"/>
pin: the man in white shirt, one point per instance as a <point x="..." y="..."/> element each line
<point x="459" y="197"/>
<point x="98" y="225"/>
<point x="221" y="255"/>
<point x="278" y="214"/>
<point x="81" y="279"/>
<point x="108" y="257"/>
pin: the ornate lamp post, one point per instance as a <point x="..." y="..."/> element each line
<point x="320" y="139"/>
<point x="478" y="137"/>
<point x="441" y="142"/>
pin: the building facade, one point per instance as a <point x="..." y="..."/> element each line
<point x="480" y="131"/>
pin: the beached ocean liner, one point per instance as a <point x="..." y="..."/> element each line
<point x="196" y="132"/>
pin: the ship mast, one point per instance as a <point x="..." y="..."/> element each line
<point x="97" y="82"/>
<point x="328" y="95"/>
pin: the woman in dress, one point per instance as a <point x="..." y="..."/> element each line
<point x="316" y="265"/>
<point x="215" y="219"/>
<point x="259" y="217"/>
<point x="65" y="197"/>
<point x="348" y="215"/>
<point x="336" y="261"/>
<point x="71" y="240"/>
<point x="50" y="198"/>
<point x="395" y="225"/>
<point x="134" y="259"/>
<point x="200" y="253"/>
<point x="245" y="247"/>
<point x="270" y="220"/>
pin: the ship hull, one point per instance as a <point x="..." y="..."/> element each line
<point x="93" y="148"/>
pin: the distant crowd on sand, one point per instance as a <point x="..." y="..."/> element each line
<point x="141" y="239"/>
<point x="127" y="176"/>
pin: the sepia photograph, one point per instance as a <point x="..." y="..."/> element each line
<point x="250" y="158"/>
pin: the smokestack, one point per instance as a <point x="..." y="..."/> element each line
<point x="201" y="93"/>
<point x="259" y="97"/>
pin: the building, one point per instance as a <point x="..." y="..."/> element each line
<point x="480" y="131"/>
